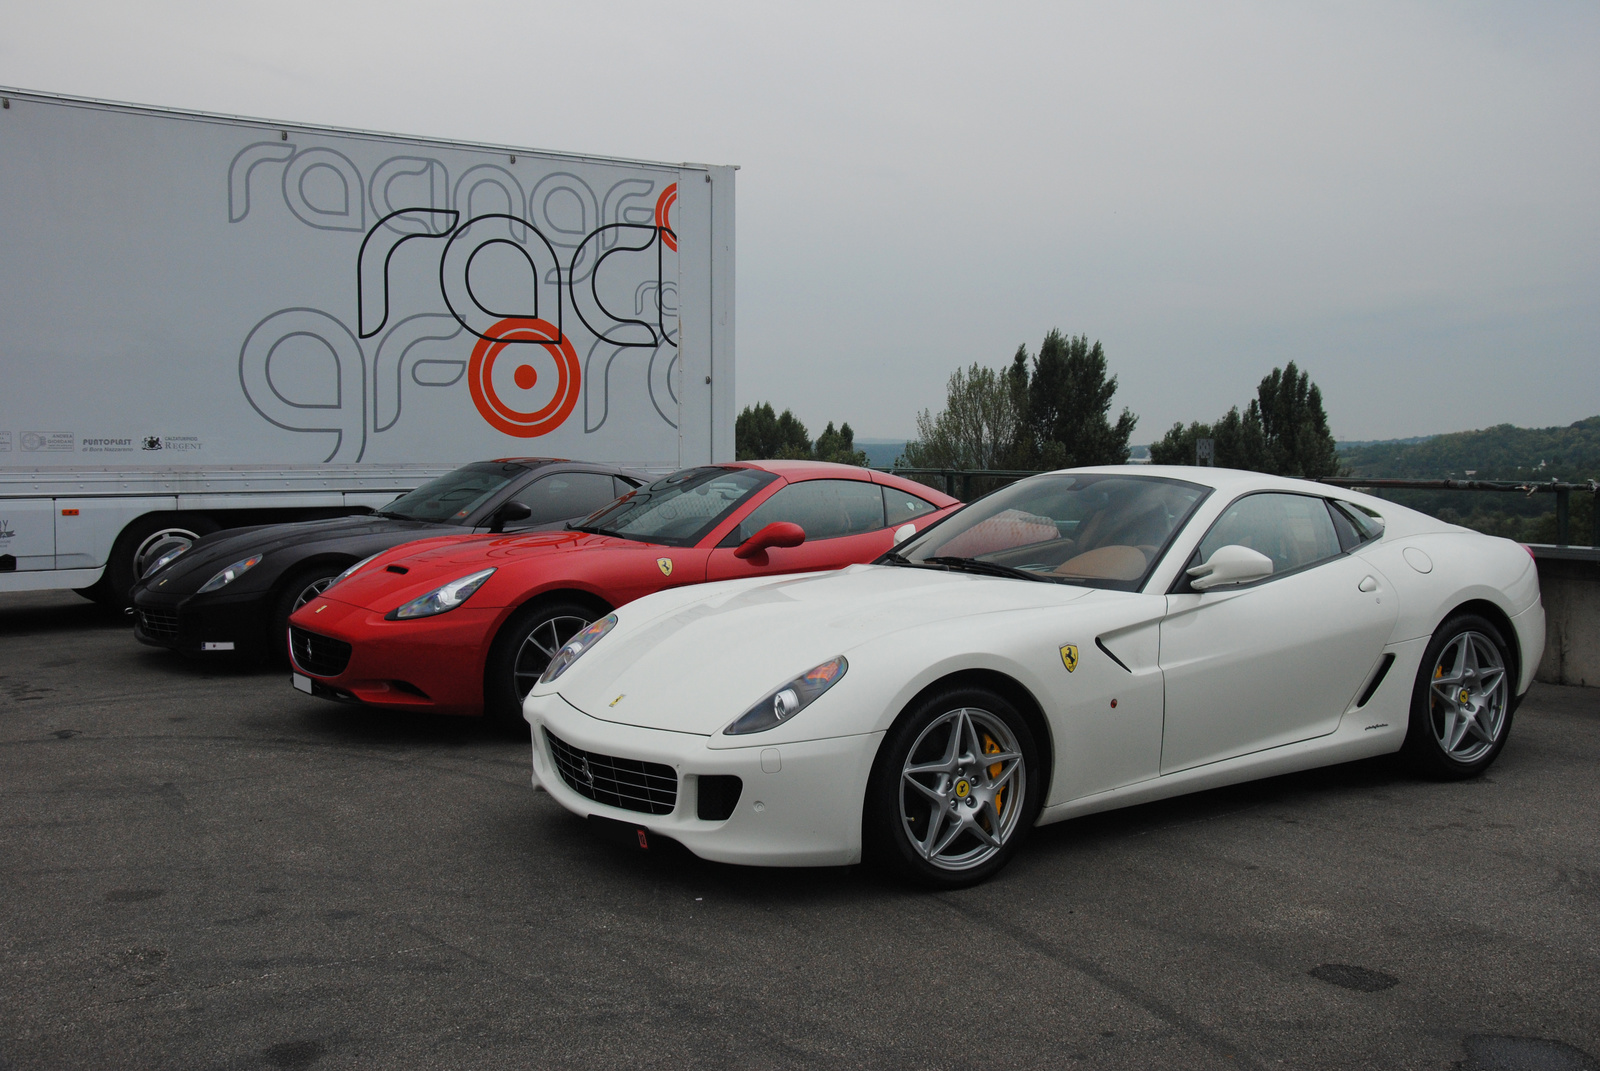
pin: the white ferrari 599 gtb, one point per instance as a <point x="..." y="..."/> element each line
<point x="1077" y="641"/>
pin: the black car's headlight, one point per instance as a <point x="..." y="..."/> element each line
<point x="790" y="699"/>
<point x="230" y="574"/>
<point x="574" y="648"/>
<point x="440" y="599"/>
<point x="162" y="562"/>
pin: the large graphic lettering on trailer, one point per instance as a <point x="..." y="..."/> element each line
<point x="538" y="297"/>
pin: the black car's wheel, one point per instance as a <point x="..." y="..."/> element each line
<point x="955" y="788"/>
<point x="140" y="544"/>
<point x="293" y="592"/>
<point x="523" y="649"/>
<point x="1462" y="702"/>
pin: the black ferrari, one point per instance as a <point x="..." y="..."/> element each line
<point x="232" y="592"/>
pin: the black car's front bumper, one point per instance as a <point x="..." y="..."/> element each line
<point x="209" y="627"/>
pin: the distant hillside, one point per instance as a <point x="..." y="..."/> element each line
<point x="1499" y="453"/>
<point x="1355" y="444"/>
<point x="1570" y="454"/>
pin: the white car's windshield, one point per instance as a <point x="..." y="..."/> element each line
<point x="678" y="510"/>
<point x="1095" y="529"/>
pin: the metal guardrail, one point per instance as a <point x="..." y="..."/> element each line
<point x="1562" y="491"/>
<point x="962" y="479"/>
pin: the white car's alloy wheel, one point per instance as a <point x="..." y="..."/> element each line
<point x="961" y="789"/>
<point x="1467" y="704"/>
<point x="1462" y="703"/>
<point x="955" y="788"/>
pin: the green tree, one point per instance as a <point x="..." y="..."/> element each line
<point x="1067" y="417"/>
<point x="760" y="433"/>
<point x="839" y="446"/>
<point x="1294" y="429"/>
<point x="978" y="427"/>
<point x="1283" y="431"/>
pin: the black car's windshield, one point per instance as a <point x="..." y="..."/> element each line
<point x="453" y="497"/>
<point x="1101" y="530"/>
<point x="678" y="510"/>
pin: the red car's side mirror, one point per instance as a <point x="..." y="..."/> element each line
<point x="776" y="534"/>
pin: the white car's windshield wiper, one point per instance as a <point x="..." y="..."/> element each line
<point x="975" y="565"/>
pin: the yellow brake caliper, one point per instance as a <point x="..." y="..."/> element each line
<point x="990" y="747"/>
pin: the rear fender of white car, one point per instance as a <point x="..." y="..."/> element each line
<point x="1435" y="576"/>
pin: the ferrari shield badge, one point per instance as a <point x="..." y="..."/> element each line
<point x="1069" y="656"/>
<point x="665" y="565"/>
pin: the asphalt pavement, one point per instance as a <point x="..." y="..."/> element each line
<point x="202" y="868"/>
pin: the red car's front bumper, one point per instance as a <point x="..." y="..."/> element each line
<point x="430" y="663"/>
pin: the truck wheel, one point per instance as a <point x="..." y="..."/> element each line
<point x="523" y="648"/>
<point x="139" y="544"/>
<point x="299" y="588"/>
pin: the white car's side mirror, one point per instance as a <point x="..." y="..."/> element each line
<point x="1231" y="564"/>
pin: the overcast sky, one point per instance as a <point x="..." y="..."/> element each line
<point x="1404" y="198"/>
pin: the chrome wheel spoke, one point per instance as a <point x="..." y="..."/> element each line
<point x="956" y="829"/>
<point x="937" y="797"/>
<point x="1008" y="764"/>
<point x="935" y="823"/>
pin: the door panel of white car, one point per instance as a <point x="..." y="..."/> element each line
<point x="1271" y="663"/>
<point x="1106" y="712"/>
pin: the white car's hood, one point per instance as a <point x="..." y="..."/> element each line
<point x="701" y="664"/>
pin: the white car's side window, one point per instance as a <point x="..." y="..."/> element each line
<point x="1293" y="530"/>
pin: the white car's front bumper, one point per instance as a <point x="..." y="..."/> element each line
<point x="800" y="804"/>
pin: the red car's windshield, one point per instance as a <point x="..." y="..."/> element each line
<point x="678" y="510"/>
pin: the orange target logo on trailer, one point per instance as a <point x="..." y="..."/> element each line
<point x="513" y="338"/>
<point x="664" y="206"/>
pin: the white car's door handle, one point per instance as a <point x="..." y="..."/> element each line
<point x="1369" y="584"/>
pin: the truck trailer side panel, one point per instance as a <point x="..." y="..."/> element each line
<point x="195" y="309"/>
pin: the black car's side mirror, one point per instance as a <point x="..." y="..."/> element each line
<point x="508" y="513"/>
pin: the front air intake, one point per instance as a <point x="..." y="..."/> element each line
<point x="320" y="656"/>
<point x="633" y="785"/>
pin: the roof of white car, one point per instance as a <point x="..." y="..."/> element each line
<point x="1221" y="479"/>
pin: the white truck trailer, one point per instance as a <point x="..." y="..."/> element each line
<point x="208" y="321"/>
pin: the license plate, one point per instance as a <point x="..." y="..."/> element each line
<point x="302" y="682"/>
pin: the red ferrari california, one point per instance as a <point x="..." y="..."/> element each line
<point x="465" y="624"/>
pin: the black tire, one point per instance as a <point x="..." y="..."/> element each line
<point x="523" y="648"/>
<point x="137" y="545"/>
<point x="1462" y="702"/>
<point x="998" y="804"/>
<point x="294" y="591"/>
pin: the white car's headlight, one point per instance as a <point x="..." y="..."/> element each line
<point x="162" y="562"/>
<point x="230" y="574"/>
<point x="575" y="648"/>
<point x="440" y="599"/>
<point x="353" y="569"/>
<point x="790" y="699"/>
